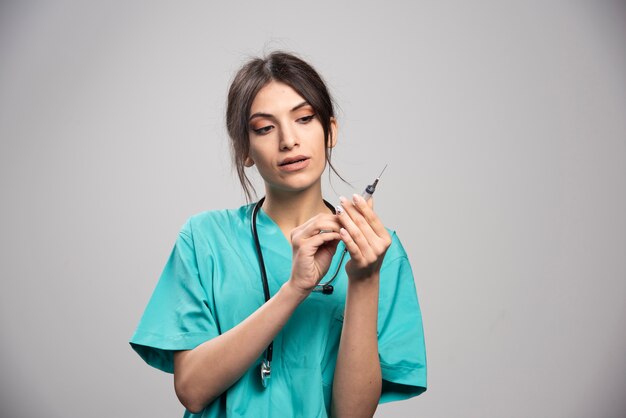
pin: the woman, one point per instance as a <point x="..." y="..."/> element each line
<point x="302" y="352"/>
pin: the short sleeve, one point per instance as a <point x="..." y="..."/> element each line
<point x="401" y="345"/>
<point x="177" y="316"/>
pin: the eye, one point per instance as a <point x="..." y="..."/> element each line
<point x="262" y="130"/>
<point x="306" y="119"/>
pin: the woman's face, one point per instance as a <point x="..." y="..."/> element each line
<point x="286" y="139"/>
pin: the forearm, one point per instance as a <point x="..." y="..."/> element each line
<point x="358" y="380"/>
<point x="202" y="374"/>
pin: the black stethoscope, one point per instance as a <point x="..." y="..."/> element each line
<point x="325" y="288"/>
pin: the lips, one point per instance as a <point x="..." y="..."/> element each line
<point x="294" y="164"/>
<point x="293" y="160"/>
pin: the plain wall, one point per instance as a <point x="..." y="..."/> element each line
<point x="504" y="127"/>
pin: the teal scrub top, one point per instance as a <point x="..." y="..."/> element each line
<point x="211" y="283"/>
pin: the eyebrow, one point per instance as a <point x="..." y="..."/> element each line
<point x="268" y="115"/>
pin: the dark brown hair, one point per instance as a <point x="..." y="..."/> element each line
<point x="256" y="73"/>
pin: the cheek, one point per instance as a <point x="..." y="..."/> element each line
<point x="314" y="136"/>
<point x="322" y="144"/>
<point x="259" y="156"/>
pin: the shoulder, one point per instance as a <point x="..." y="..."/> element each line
<point x="217" y="221"/>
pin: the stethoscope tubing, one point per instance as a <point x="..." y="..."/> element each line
<point x="326" y="288"/>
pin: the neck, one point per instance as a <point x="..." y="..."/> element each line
<point x="291" y="209"/>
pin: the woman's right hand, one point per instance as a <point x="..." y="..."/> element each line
<point x="313" y="251"/>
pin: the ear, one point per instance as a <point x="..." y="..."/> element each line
<point x="333" y="132"/>
<point x="248" y="162"/>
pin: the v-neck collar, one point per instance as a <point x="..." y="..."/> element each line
<point x="271" y="229"/>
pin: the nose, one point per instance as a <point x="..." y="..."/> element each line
<point x="288" y="139"/>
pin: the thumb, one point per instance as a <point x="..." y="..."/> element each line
<point x="331" y="245"/>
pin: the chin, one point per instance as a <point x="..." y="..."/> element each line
<point x="296" y="182"/>
<point x="294" y="186"/>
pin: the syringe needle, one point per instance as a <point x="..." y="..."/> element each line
<point x="381" y="173"/>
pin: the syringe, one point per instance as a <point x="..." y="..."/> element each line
<point x="327" y="288"/>
<point x="371" y="188"/>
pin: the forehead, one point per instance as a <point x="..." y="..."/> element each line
<point x="275" y="97"/>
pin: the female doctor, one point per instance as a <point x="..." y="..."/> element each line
<point x="238" y="315"/>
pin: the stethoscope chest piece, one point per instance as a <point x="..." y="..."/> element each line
<point x="266" y="372"/>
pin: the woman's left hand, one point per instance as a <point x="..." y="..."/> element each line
<point x="364" y="235"/>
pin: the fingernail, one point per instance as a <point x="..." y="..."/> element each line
<point x="356" y="198"/>
<point x="342" y="199"/>
<point x="339" y="209"/>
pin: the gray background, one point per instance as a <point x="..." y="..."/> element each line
<point x="504" y="127"/>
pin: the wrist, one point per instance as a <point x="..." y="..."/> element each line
<point x="364" y="287"/>
<point x="294" y="293"/>
<point x="366" y="280"/>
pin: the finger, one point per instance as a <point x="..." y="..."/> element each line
<point x="366" y="209"/>
<point x="321" y="219"/>
<point x="351" y="246"/>
<point x="323" y="226"/>
<point x="317" y="224"/>
<point x="330" y="246"/>
<point x="359" y="220"/>
<point x="318" y="218"/>
<point x="355" y="231"/>
<point x="321" y="239"/>
<point x="333" y="242"/>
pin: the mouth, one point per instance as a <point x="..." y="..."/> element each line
<point x="294" y="164"/>
<point x="293" y="160"/>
